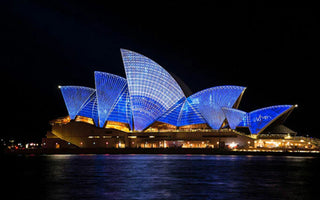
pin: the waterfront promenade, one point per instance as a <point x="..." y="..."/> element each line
<point x="206" y="151"/>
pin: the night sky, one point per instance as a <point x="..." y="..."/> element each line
<point x="269" y="48"/>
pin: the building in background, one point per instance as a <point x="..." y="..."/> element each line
<point x="149" y="109"/>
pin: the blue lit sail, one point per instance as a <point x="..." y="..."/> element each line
<point x="90" y="109"/>
<point x="234" y="116"/>
<point x="121" y="112"/>
<point x="245" y="121"/>
<point x="182" y="114"/>
<point x="261" y="118"/>
<point x="256" y="120"/>
<point x="74" y="97"/>
<point x="172" y="116"/>
<point x="151" y="94"/>
<point x="189" y="115"/>
<point x="209" y="102"/>
<point x="108" y="89"/>
<point x="152" y="89"/>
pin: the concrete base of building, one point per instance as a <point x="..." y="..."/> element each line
<point x="85" y="135"/>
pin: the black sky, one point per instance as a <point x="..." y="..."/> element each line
<point x="269" y="48"/>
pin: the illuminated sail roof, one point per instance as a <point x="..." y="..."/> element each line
<point x="190" y="115"/>
<point x="121" y="112"/>
<point x="74" y="97"/>
<point x="90" y="109"/>
<point x="173" y="114"/>
<point x="234" y="116"/>
<point x="261" y="118"/>
<point x="209" y="102"/>
<point x="256" y="120"/>
<point x="108" y="88"/>
<point x="149" y="94"/>
<point x="182" y="114"/>
<point x="152" y="89"/>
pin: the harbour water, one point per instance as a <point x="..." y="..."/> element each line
<point x="159" y="177"/>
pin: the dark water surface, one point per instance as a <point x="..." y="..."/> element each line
<point x="160" y="177"/>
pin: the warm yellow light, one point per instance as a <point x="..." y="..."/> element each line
<point x="232" y="145"/>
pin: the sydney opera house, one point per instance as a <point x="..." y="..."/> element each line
<point x="151" y="108"/>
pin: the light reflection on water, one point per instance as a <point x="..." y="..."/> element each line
<point x="162" y="177"/>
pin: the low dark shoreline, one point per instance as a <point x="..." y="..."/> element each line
<point x="154" y="151"/>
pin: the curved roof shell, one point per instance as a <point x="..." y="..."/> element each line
<point x="209" y="102"/>
<point x="121" y="111"/>
<point x="149" y="94"/>
<point x="182" y="114"/>
<point x="234" y="116"/>
<point x="74" y="97"/>
<point x="90" y="109"/>
<point x="261" y="118"/>
<point x="256" y="120"/>
<point x="108" y="88"/>
<point x="152" y="89"/>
